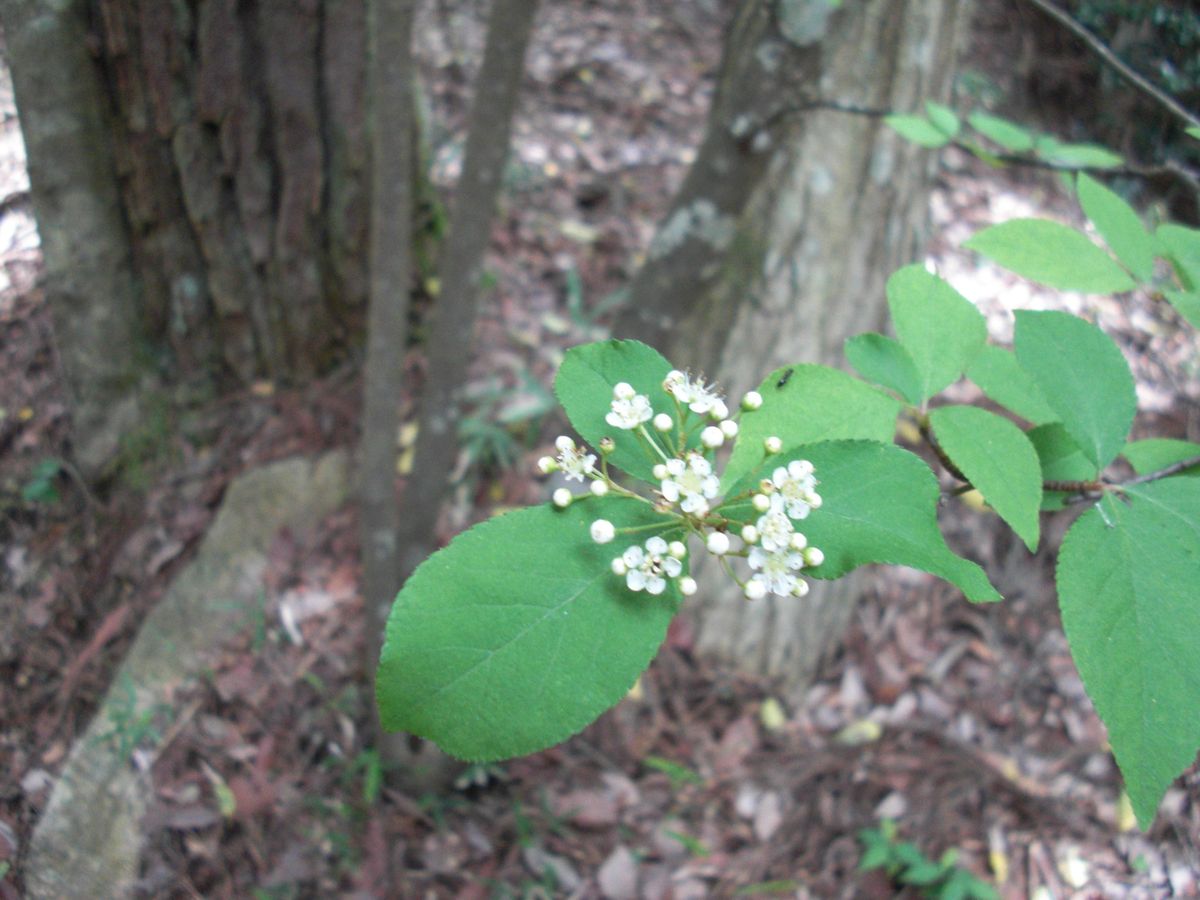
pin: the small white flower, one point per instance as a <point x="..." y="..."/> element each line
<point x="575" y="462"/>
<point x="797" y="487"/>
<point x="562" y="498"/>
<point x="695" y="395"/>
<point x="775" y="529"/>
<point x="729" y="428"/>
<point x="755" y="590"/>
<point x="761" y="502"/>
<point x="772" y="444"/>
<point x="687" y="585"/>
<point x="648" y="569"/>
<point x="777" y="572"/>
<point x="629" y="409"/>
<point x="752" y="401"/>
<point x="718" y="543"/>
<point x="663" y="422"/>
<point x="691" y="483"/>
<point x="749" y="534"/>
<point x="599" y="488"/>
<point x="603" y="531"/>
<point x="712" y="437"/>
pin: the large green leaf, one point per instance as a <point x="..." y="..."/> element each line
<point x="998" y="460"/>
<point x="1051" y="254"/>
<point x="1009" y="135"/>
<point x="1119" y="225"/>
<point x="517" y="634"/>
<point x="919" y="130"/>
<point x="1183" y="246"/>
<point x="584" y="386"/>
<point x="879" y="505"/>
<point x="885" y="362"/>
<point x="1001" y="377"/>
<point x="809" y="403"/>
<point x="1076" y="156"/>
<point x="1127" y="577"/>
<point x="1155" y="454"/>
<point x="1187" y="304"/>
<point x="939" y="327"/>
<point x="1083" y="377"/>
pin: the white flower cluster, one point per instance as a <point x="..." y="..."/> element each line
<point x="688" y="487"/>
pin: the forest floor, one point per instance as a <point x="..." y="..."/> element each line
<point x="966" y="725"/>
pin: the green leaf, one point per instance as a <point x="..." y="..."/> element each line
<point x="1127" y="576"/>
<point x="809" y="403"/>
<point x="1061" y="460"/>
<point x="919" y="130"/>
<point x="517" y="634"/>
<point x="939" y="327"/>
<point x="1083" y="377"/>
<point x="1183" y="246"/>
<point x="879" y="505"/>
<point x="1119" y="225"/>
<point x="1051" y="254"/>
<point x="1076" y="156"/>
<point x="1009" y="135"/>
<point x="1154" y="454"/>
<point x="1001" y="377"/>
<point x="584" y="386"/>
<point x="1193" y="131"/>
<point x="1187" y="304"/>
<point x="885" y="362"/>
<point x="943" y="118"/>
<point x="998" y="460"/>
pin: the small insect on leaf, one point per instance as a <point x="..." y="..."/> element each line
<point x="784" y="378"/>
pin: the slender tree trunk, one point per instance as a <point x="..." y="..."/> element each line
<point x="453" y="318"/>
<point x="840" y="203"/>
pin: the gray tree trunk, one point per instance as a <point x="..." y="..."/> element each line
<point x="841" y="203"/>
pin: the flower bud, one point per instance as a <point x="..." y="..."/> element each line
<point x="755" y="590"/>
<point x="663" y="422"/>
<point x="619" y="567"/>
<point x="547" y="464"/>
<point x="766" y="486"/>
<point x="673" y="378"/>
<point x="799" y="541"/>
<point x="719" y="411"/>
<point x="687" y="585"/>
<point x="564" y="443"/>
<point x="761" y="502"/>
<point x="677" y="549"/>
<point x="749" y="534"/>
<point x="607" y="446"/>
<point x="712" y="437"/>
<point x="729" y="428"/>
<point x="599" y="488"/>
<point x="773" y="444"/>
<point x="801" y="587"/>
<point x="562" y="498"/>
<point x="752" y="401"/>
<point x="814" y="500"/>
<point x="660" y="472"/>
<point x="603" y="531"/>
<point x="624" y="391"/>
<point x="718" y="543"/>
<point x="813" y="556"/>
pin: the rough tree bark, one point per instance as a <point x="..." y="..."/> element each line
<point x="489" y="128"/>
<point x="831" y="203"/>
<point x="208" y="226"/>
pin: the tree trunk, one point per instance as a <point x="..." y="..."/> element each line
<point x="841" y="203"/>
<point x="209" y="228"/>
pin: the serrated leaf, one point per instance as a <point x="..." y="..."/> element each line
<point x="879" y="505"/>
<point x="919" y="130"/>
<point x="1009" y="135"/>
<point x="1187" y="304"/>
<point x="1119" y="225"/>
<point x="1127" y="576"/>
<point x="941" y="330"/>
<point x="1155" y="454"/>
<point x="1083" y="377"/>
<point x="999" y="461"/>
<point x="517" y="634"/>
<point x="1183" y="246"/>
<point x="809" y="403"/>
<point x="1076" y="156"/>
<point x="1061" y="460"/>
<point x="883" y="361"/>
<point x="584" y="387"/>
<point x="942" y="117"/>
<point x="999" y="375"/>
<point x="1051" y="254"/>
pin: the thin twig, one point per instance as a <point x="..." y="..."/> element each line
<point x="1115" y="62"/>
<point x="1164" y="472"/>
